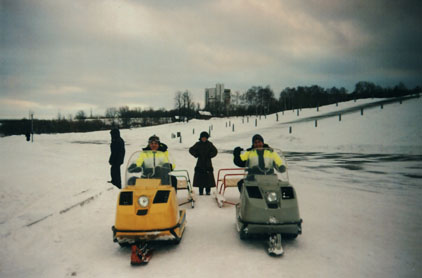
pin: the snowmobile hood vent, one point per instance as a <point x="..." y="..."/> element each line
<point x="162" y="196"/>
<point x="254" y="192"/>
<point x="142" y="212"/>
<point x="126" y="198"/>
<point x="287" y="193"/>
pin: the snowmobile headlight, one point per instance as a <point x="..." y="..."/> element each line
<point x="143" y="201"/>
<point x="271" y="197"/>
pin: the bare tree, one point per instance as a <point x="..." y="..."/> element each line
<point x="111" y="112"/>
<point x="178" y="103"/>
<point x="187" y="100"/>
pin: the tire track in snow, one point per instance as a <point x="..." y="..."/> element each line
<point x="65" y="210"/>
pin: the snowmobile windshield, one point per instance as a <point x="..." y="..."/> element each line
<point x="264" y="161"/>
<point x="148" y="164"/>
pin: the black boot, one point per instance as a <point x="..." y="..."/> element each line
<point x="201" y="191"/>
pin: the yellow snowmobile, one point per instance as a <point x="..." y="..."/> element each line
<point x="147" y="208"/>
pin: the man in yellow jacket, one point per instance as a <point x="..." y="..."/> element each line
<point x="260" y="159"/>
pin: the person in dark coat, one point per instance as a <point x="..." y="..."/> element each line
<point x="204" y="150"/>
<point x="117" y="157"/>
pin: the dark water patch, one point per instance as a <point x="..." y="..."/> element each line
<point x="224" y="151"/>
<point x="377" y="172"/>
<point x="350" y="167"/>
<point x="413" y="176"/>
<point x="400" y="157"/>
<point x="366" y="190"/>
<point x="364" y="158"/>
<point x="330" y="156"/>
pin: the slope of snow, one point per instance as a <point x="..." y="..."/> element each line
<point x="358" y="181"/>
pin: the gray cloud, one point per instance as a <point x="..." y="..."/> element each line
<point x="71" y="55"/>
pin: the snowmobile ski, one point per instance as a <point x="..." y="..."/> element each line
<point x="140" y="255"/>
<point x="274" y="245"/>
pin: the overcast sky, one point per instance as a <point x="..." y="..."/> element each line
<point x="61" y="56"/>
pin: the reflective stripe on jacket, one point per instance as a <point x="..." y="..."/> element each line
<point x="150" y="159"/>
<point x="269" y="156"/>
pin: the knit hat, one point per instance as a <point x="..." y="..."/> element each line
<point x="257" y="137"/>
<point x="154" y="138"/>
<point x="204" y="134"/>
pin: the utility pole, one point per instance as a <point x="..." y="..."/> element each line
<point x="32" y="125"/>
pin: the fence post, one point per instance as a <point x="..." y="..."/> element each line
<point x="276" y="115"/>
<point x="361" y="111"/>
<point x="290" y="129"/>
<point x="339" y="117"/>
<point x="233" y="128"/>
<point x="256" y="122"/>
<point x="316" y="123"/>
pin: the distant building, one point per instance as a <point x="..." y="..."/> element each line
<point x="217" y="95"/>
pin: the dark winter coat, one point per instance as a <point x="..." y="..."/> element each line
<point x="117" y="148"/>
<point x="204" y="172"/>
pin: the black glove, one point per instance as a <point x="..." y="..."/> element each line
<point x="237" y="151"/>
<point x="281" y="168"/>
<point x="133" y="169"/>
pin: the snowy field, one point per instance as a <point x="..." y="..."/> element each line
<point x="359" y="185"/>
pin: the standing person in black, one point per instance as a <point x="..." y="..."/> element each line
<point x="117" y="157"/>
<point x="204" y="150"/>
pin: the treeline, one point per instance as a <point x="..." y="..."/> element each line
<point x="262" y="100"/>
<point x="122" y="117"/>
<point x="255" y="101"/>
<point x="24" y="126"/>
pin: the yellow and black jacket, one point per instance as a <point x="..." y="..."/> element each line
<point x="149" y="159"/>
<point x="261" y="160"/>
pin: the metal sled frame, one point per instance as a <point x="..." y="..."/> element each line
<point x="184" y="183"/>
<point x="227" y="177"/>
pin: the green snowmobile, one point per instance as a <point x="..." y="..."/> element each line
<point x="268" y="202"/>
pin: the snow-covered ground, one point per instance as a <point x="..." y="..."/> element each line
<point x="359" y="183"/>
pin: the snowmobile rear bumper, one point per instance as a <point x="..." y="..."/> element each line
<point x="288" y="228"/>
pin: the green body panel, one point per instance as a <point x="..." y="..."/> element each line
<point x="256" y="214"/>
